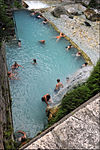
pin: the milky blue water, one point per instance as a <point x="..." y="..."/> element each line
<point x="53" y="61"/>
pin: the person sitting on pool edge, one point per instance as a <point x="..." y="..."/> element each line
<point x="15" y="66"/>
<point x="42" y="41"/>
<point x="34" y="62"/>
<point x="58" y="85"/>
<point x="46" y="98"/>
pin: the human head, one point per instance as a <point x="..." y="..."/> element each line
<point x="9" y="73"/>
<point x="19" y="40"/>
<point x="58" y="80"/>
<point x="43" y="99"/>
<point x="48" y="97"/>
<point x="34" y="60"/>
<point x="86" y="63"/>
<point x="15" y="64"/>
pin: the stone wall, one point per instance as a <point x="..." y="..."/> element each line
<point x="5" y="103"/>
<point x="77" y="130"/>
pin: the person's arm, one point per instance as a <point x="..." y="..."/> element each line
<point x="46" y="100"/>
<point x="20" y="66"/>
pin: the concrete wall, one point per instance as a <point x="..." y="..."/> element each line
<point x="77" y="130"/>
<point x="5" y="101"/>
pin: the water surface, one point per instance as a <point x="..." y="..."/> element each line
<point x="53" y="61"/>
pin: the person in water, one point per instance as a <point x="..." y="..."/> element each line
<point x="58" y="85"/>
<point x="84" y="65"/>
<point x="39" y="16"/>
<point x="45" y="21"/>
<point x="46" y="98"/>
<point x="78" y="54"/>
<point x="61" y="35"/>
<point x="22" y="138"/>
<point x="42" y="41"/>
<point x="11" y="75"/>
<point x="19" y="43"/>
<point x="15" y="66"/>
<point x="69" y="47"/>
<point x="34" y="62"/>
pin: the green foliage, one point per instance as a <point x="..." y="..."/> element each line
<point x="81" y="94"/>
<point x="17" y="4"/>
<point x="93" y="3"/>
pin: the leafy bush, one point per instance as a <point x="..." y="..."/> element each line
<point x="81" y="94"/>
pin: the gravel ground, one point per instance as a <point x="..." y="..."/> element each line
<point x="87" y="38"/>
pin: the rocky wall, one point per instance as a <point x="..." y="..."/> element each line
<point x="6" y="132"/>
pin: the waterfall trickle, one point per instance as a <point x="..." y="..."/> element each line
<point x="35" y="5"/>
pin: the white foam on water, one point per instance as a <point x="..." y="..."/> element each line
<point x="35" y="5"/>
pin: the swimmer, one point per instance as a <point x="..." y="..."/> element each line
<point x="15" y="66"/>
<point x="61" y="35"/>
<point x="22" y="138"/>
<point x="33" y="13"/>
<point x="58" y="85"/>
<point x="46" y="98"/>
<point x="42" y="41"/>
<point x="19" y="43"/>
<point x="11" y="75"/>
<point x="45" y="21"/>
<point x="39" y="16"/>
<point x="67" y="79"/>
<point x="68" y="47"/>
<point x="78" y="54"/>
<point x="34" y="62"/>
<point x="84" y="65"/>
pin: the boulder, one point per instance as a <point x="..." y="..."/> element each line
<point x="92" y="15"/>
<point x="72" y="11"/>
<point x="59" y="10"/>
<point x="86" y="2"/>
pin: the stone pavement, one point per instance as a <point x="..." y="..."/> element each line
<point x="78" y="130"/>
<point x="87" y="38"/>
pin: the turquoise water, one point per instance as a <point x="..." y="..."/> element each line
<point x="53" y="61"/>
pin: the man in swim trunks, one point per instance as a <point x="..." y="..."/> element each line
<point x="46" y="98"/>
<point x="15" y="66"/>
<point x="58" y="85"/>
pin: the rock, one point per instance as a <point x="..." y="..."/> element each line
<point x="87" y="24"/>
<point x="72" y="11"/>
<point x="59" y="10"/>
<point x="92" y="15"/>
<point x="51" y="111"/>
<point x="86" y="2"/>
